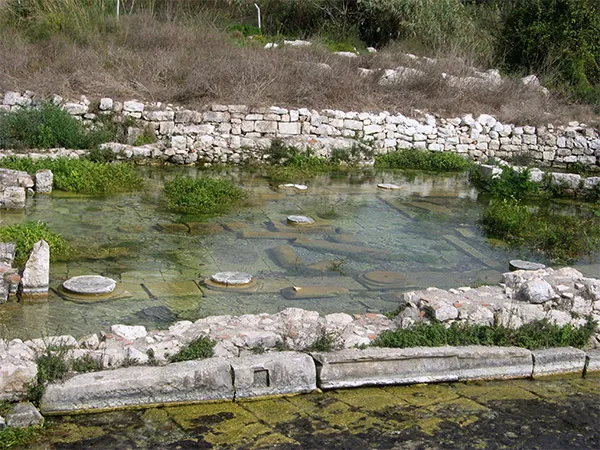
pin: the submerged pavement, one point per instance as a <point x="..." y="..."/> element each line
<point x="550" y="413"/>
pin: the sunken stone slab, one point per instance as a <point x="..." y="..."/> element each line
<point x="300" y="220"/>
<point x="90" y="285"/>
<point x="552" y="361"/>
<point x="189" y="381"/>
<point x="486" y="363"/>
<point x="273" y="374"/>
<point x="382" y="366"/>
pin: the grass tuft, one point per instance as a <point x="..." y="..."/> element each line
<point x="200" y="348"/>
<point x="202" y="195"/>
<point x="25" y="235"/>
<point x="423" y="160"/>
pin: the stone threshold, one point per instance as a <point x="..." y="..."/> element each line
<point x="289" y="372"/>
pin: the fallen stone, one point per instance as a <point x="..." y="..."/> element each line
<point x="552" y="361"/>
<point x="90" y="285"/>
<point x="7" y="252"/>
<point x="23" y="415"/>
<point x="517" y="264"/>
<point x="36" y="276"/>
<point x="536" y="291"/>
<point x="43" y="181"/>
<point x="273" y="374"/>
<point x="298" y="187"/>
<point x="285" y="256"/>
<point x="15" y="375"/>
<point x="388" y="186"/>
<point x="487" y="363"/>
<point x="129" y="332"/>
<point x="188" y="381"/>
<point x="13" y="197"/>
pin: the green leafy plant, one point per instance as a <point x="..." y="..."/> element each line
<point x="51" y="366"/>
<point x="200" y="348"/>
<point x="202" y="195"/>
<point x="12" y="437"/>
<point x="509" y="184"/>
<point x="85" y="363"/>
<point x="325" y="343"/>
<point x="538" y="334"/>
<point x="81" y="175"/>
<point x="47" y="126"/>
<point x="423" y="160"/>
<point x="25" y="235"/>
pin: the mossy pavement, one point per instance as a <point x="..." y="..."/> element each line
<point x="549" y="413"/>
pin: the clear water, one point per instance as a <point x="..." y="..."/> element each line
<point x="427" y="231"/>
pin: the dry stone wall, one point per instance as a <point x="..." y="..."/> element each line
<point x="238" y="133"/>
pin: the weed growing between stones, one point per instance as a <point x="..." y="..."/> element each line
<point x="423" y="160"/>
<point x="534" y="335"/>
<point x="17" y="437"/>
<point x="25" y="235"/>
<point x="85" y="363"/>
<point x="47" y="126"/>
<point x="561" y="238"/>
<point x="510" y="183"/>
<point x="200" y="348"/>
<point x="81" y="175"/>
<point x="202" y="195"/>
<point x="51" y="366"/>
<point x="325" y="343"/>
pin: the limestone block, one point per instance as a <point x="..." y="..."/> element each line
<point x="76" y="109"/>
<point x="381" y="366"/>
<point x="133" y="107"/>
<point x="216" y="116"/>
<point x="178" y="142"/>
<point x="23" y="415"/>
<point x="7" y="252"/>
<point x="106" y="104"/>
<point x="558" y="360"/>
<point x="13" y="197"/>
<point x="43" y="181"/>
<point x="262" y="126"/>
<point x="15" y="375"/>
<point x="355" y="125"/>
<point x="187" y="116"/>
<point x="36" y="276"/>
<point x="159" y="116"/>
<point x="492" y="363"/>
<point x="537" y="291"/>
<point x="569" y="180"/>
<point x="12" y="98"/>
<point x="289" y="128"/>
<point x="189" y="381"/>
<point x="273" y="374"/>
<point x="129" y="332"/>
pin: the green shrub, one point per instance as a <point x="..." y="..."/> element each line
<point x="200" y="348"/>
<point x="563" y="35"/>
<point x="202" y="195"/>
<point x="51" y="366"/>
<point x="539" y="334"/>
<point x="423" y="160"/>
<point x="563" y="239"/>
<point x="12" y="437"/>
<point x="25" y="235"/>
<point x="47" y="126"/>
<point x="85" y="363"/>
<point x="509" y="184"/>
<point x="325" y="343"/>
<point x="81" y="175"/>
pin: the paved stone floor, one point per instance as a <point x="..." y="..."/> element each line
<point x="545" y="414"/>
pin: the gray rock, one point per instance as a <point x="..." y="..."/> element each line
<point x="273" y="374"/>
<point x="34" y="284"/>
<point x="300" y="220"/>
<point x="23" y="415"/>
<point x="2" y="423"/>
<point x="13" y="197"/>
<point x="188" y="381"/>
<point x="536" y="291"/>
<point x="552" y="361"/>
<point x="7" y="252"/>
<point x="232" y="278"/>
<point x="517" y="264"/>
<point x="593" y="361"/>
<point x="90" y="285"/>
<point x="15" y="375"/>
<point x="129" y="332"/>
<point x="43" y="181"/>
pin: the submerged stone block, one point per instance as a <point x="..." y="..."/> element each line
<point x="189" y="381"/>
<point x="552" y="361"/>
<point x="381" y="366"/>
<point x="273" y="374"/>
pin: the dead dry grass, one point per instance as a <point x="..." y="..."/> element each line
<point x="197" y="65"/>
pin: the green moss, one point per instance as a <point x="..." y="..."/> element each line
<point x="202" y="195"/>
<point x="81" y="175"/>
<point x="25" y="235"/>
<point x="17" y="437"/>
<point x="197" y="349"/>
<point x="423" y="160"/>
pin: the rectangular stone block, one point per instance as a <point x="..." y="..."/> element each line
<point x="493" y="363"/>
<point x="552" y="361"/>
<point x="273" y="374"/>
<point x="266" y="126"/>
<point x="189" y="381"/>
<point x="381" y="366"/>
<point x="289" y="127"/>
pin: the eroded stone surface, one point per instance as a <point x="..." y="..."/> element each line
<point x="300" y="220"/>
<point x="90" y="285"/>
<point x="232" y="278"/>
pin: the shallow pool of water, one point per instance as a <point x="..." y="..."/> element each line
<point x="424" y="234"/>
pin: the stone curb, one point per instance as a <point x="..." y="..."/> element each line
<point x="219" y="379"/>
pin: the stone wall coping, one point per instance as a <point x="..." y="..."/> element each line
<point x="283" y="373"/>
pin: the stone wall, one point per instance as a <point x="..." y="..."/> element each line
<point x="236" y="133"/>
